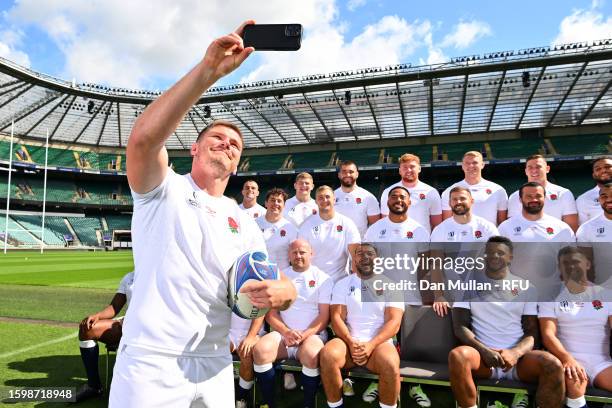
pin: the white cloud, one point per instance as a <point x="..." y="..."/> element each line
<point x="584" y="25"/>
<point x="465" y="34"/>
<point x="352" y="5"/>
<point x="9" y="44"/>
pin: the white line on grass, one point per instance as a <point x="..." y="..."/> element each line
<point x="46" y="343"/>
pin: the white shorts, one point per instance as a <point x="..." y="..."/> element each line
<point x="593" y="364"/>
<point x="292" y="350"/>
<point x="144" y="378"/>
<point x="498" y="373"/>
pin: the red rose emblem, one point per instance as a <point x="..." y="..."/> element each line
<point x="409" y="235"/>
<point x="514" y="292"/>
<point x="255" y="215"/>
<point x="597" y="304"/>
<point x="489" y="191"/>
<point x="553" y="197"/>
<point x="358" y="200"/>
<point x="283" y="233"/>
<point x="478" y="234"/>
<point x="422" y="196"/>
<point x="311" y="284"/>
<point x="550" y="231"/>
<point x="233" y="225"/>
<point x="339" y="228"/>
<point x="314" y="211"/>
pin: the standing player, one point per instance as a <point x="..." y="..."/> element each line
<point x="576" y="328"/>
<point x="425" y="200"/>
<point x="353" y="201"/>
<point x="559" y="202"/>
<point x="333" y="236"/>
<point x="278" y="232"/>
<point x="401" y="235"/>
<point x="498" y="331"/>
<point x="101" y="326"/>
<point x="364" y="318"/>
<point x="186" y="235"/>
<point x="490" y="199"/>
<point x="250" y="192"/>
<point x="244" y="335"/>
<point x="300" y="330"/>
<point x="595" y="236"/>
<point x="301" y="205"/>
<point x="588" y="203"/>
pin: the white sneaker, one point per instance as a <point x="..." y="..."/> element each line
<point x="417" y="394"/>
<point x="347" y="387"/>
<point x="371" y="393"/>
<point x="241" y="404"/>
<point x="289" y="381"/>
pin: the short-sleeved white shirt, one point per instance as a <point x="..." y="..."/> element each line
<point x="329" y="241"/>
<point x="364" y="319"/>
<point x="126" y="286"/>
<point x="588" y="205"/>
<point x="255" y="211"/>
<point x="357" y="205"/>
<point x="597" y="234"/>
<point x="547" y="228"/>
<point x="184" y="243"/>
<point x="496" y="320"/>
<point x="278" y="237"/>
<point x="424" y="202"/>
<point x="477" y="230"/>
<point x="489" y="198"/>
<point x="297" y="212"/>
<point x="313" y="287"/>
<point x="582" y="320"/>
<point x="559" y="201"/>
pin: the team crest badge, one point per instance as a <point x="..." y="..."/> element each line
<point x="311" y="284"/>
<point x="409" y="234"/>
<point x="451" y="234"/>
<point x="314" y="211"/>
<point x="358" y="200"/>
<point x="339" y="228"/>
<point x="488" y="191"/>
<point x="421" y="196"/>
<point x="517" y="229"/>
<point x="514" y="292"/>
<point x="597" y="304"/>
<point x="601" y="230"/>
<point x="283" y="233"/>
<point x="478" y="234"/>
<point x="550" y="231"/>
<point x="255" y="215"/>
<point x="233" y="225"/>
<point x="553" y="197"/>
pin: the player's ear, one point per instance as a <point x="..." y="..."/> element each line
<point x="194" y="149"/>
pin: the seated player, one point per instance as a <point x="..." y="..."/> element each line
<point x="498" y="331"/>
<point x="365" y="317"/>
<point x="101" y="326"/>
<point x="580" y="308"/>
<point x="244" y="335"/>
<point x="299" y="332"/>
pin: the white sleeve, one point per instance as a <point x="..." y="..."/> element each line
<point x="339" y="293"/>
<point x="123" y="285"/>
<point x="384" y="208"/>
<point x="325" y="291"/>
<point x="157" y="191"/>
<point x="462" y="305"/>
<point x="369" y="235"/>
<point x="444" y="199"/>
<point x="504" y="229"/>
<point x="582" y="235"/>
<point x="547" y="309"/>
<point x="492" y="229"/>
<point x="372" y="205"/>
<point x="514" y="205"/>
<point x="569" y="204"/>
<point x="352" y="233"/>
<point x="583" y="215"/>
<point x="530" y="309"/>
<point x="502" y="200"/>
<point x="435" y="207"/>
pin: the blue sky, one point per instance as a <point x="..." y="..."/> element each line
<point x="150" y="43"/>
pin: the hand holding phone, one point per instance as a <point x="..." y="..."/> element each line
<point x="273" y="37"/>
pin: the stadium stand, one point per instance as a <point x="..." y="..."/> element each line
<point x="85" y="228"/>
<point x="33" y="224"/>
<point x="118" y="222"/>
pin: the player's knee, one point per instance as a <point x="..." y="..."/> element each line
<point x="310" y="358"/>
<point x="550" y="365"/>
<point x="86" y="334"/>
<point x="457" y="358"/>
<point x="329" y="356"/>
<point x="262" y="352"/>
<point x="389" y="368"/>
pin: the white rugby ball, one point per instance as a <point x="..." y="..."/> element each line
<point x="252" y="265"/>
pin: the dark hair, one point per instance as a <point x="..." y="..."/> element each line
<point x="498" y="239"/>
<point x="459" y="188"/>
<point x="594" y="161"/>
<point x="400" y="187"/>
<point x="277" y="191"/>
<point x="530" y="184"/>
<point x="569" y="250"/>
<point x="250" y="181"/>
<point x="533" y="157"/>
<point x="369" y="244"/>
<point x="219" y="122"/>
<point x="349" y="163"/>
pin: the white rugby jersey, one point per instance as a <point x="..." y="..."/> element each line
<point x="313" y="287"/>
<point x="582" y="320"/>
<point x="126" y="285"/>
<point x="255" y="211"/>
<point x="278" y="237"/>
<point x="184" y="243"/>
<point x="357" y="205"/>
<point x="489" y="198"/>
<point x="559" y="201"/>
<point x="547" y="228"/>
<point x="424" y="202"/>
<point x="364" y="319"/>
<point x="329" y="241"/>
<point x="477" y="230"/>
<point x="597" y="234"/>
<point x="297" y="212"/>
<point x="588" y="205"/>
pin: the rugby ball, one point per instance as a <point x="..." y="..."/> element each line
<point x="252" y="265"/>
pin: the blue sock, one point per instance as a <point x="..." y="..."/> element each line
<point x="265" y="380"/>
<point x="90" y="361"/>
<point x="242" y="392"/>
<point x="310" y="383"/>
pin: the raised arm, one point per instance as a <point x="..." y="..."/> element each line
<point x="147" y="158"/>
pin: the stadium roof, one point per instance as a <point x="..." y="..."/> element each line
<point x="542" y="87"/>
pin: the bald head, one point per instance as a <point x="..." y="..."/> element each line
<point x="300" y="255"/>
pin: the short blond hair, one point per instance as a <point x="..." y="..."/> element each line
<point x="323" y="188"/>
<point x="303" y="175"/>
<point x="473" y="153"/>
<point x="220" y="122"/>
<point x="408" y="157"/>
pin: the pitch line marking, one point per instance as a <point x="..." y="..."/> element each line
<point x="46" y="343"/>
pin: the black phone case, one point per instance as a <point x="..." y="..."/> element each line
<point x="271" y="37"/>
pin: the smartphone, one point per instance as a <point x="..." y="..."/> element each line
<point x="273" y="37"/>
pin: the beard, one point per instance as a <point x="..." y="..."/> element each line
<point x="349" y="183"/>
<point x="365" y="270"/>
<point x="393" y="211"/>
<point x="533" y="209"/>
<point x="602" y="180"/>
<point x="460" y="209"/>
<point x="607" y="210"/>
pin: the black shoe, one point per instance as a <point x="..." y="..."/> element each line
<point x="87" y="391"/>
